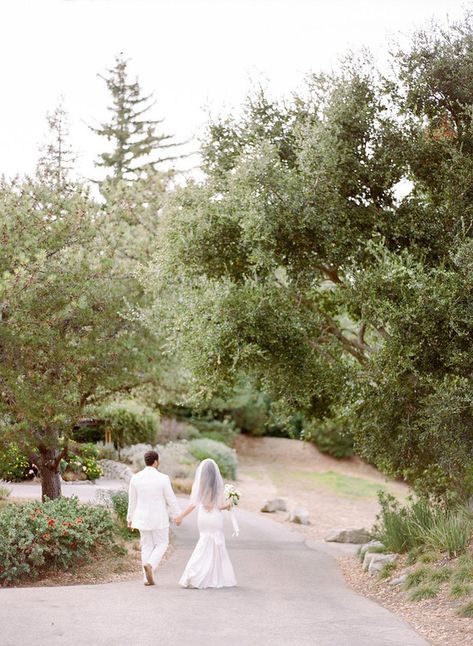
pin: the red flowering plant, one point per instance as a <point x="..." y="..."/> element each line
<point x="39" y="537"/>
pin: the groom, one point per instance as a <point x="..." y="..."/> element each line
<point x="149" y="493"/>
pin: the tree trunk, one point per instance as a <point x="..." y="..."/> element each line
<point x="49" y="472"/>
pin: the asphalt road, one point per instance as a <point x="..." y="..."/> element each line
<point x="288" y="595"/>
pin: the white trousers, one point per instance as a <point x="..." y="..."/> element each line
<point x="154" y="544"/>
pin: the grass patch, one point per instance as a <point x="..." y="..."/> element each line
<point x="388" y="569"/>
<point x="459" y="589"/>
<point x="418" y="576"/>
<point x="346" y="486"/>
<point x="466" y="610"/>
<point x="426" y="591"/>
<point x="441" y="575"/>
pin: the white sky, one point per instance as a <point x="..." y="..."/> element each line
<point x="194" y="54"/>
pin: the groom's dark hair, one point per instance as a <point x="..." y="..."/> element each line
<point x="151" y="457"/>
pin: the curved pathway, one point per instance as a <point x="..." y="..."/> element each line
<point x="289" y="594"/>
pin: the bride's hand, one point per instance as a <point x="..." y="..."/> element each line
<point x="178" y="520"/>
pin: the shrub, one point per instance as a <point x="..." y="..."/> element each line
<point x="450" y="531"/>
<point x="330" y="436"/>
<point x="81" y="462"/>
<point x="176" y="460"/>
<point x="421" y="524"/>
<point x="223" y="455"/>
<point x="14" y="465"/>
<point x="214" y="429"/>
<point x="117" y="501"/>
<point x="129" y="422"/>
<point x="133" y="455"/>
<point x="173" y="430"/>
<point x="5" y="491"/>
<point x="36" y="537"/>
<point x="106" y="451"/>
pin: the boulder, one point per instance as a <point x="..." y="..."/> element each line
<point x="351" y="535"/>
<point x="367" y="559"/>
<point x="378" y="561"/>
<point x="372" y="545"/>
<point x="398" y="580"/>
<point x="300" y="516"/>
<point x="275" y="504"/>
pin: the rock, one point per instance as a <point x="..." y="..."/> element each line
<point x="378" y="561"/>
<point x="300" y="516"/>
<point x="398" y="580"/>
<point x="367" y="559"/>
<point x="352" y="535"/>
<point x="275" y="504"/>
<point x="372" y="545"/>
<point x="113" y="470"/>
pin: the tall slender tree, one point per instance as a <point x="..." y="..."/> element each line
<point x="57" y="156"/>
<point x="137" y="146"/>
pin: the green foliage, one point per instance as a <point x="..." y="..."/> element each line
<point x="441" y="575"/>
<point x="14" y="465"/>
<point x="423" y="525"/>
<point x="426" y="591"/>
<point x="117" y="501"/>
<point x="466" y="610"/>
<point x="39" y="537"/>
<point x="459" y="589"/>
<point x="223" y="455"/>
<point x="214" y="429"/>
<point x="388" y="569"/>
<point x="129" y="422"/>
<point x="67" y="335"/>
<point x="136" y="143"/>
<point x="417" y="576"/>
<point x="82" y="459"/>
<point x="300" y="264"/>
<point x="330" y="436"/>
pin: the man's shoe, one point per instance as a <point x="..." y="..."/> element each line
<point x="149" y="574"/>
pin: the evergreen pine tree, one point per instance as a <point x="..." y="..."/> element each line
<point x="138" y="148"/>
<point x="57" y="156"/>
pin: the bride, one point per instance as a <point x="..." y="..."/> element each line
<point x="209" y="565"/>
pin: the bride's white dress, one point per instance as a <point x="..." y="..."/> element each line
<point x="209" y="565"/>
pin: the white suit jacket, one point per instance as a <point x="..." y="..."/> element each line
<point x="149" y="495"/>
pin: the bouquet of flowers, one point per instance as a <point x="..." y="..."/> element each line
<point x="232" y="494"/>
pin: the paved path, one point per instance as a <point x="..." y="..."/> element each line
<point x="288" y="595"/>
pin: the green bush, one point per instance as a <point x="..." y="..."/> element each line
<point x="422" y="525"/>
<point x="223" y="455"/>
<point x="117" y="501"/>
<point x="450" y="532"/>
<point x="214" y="429"/>
<point x="39" y="537"/>
<point x="129" y="422"/>
<point x="14" y="465"/>
<point x="82" y="460"/>
<point x="330" y="436"/>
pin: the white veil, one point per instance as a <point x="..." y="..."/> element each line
<point x="208" y="489"/>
